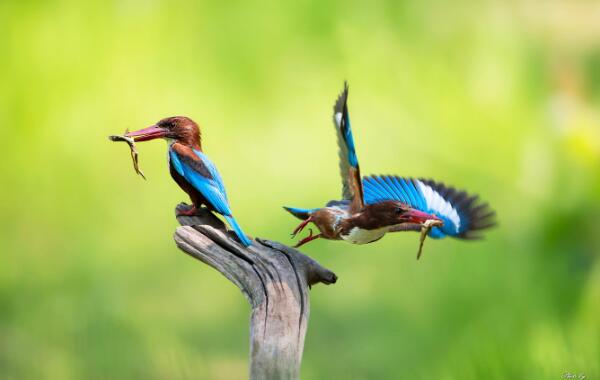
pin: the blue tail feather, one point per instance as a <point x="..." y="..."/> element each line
<point x="300" y="213"/>
<point x="238" y="231"/>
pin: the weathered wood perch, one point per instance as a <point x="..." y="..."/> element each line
<point x="275" y="280"/>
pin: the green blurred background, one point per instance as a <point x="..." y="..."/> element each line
<point x="499" y="98"/>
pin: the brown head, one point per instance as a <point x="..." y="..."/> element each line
<point x="179" y="128"/>
<point x="390" y="213"/>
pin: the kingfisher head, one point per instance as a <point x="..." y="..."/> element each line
<point x="179" y="128"/>
<point x="391" y="213"/>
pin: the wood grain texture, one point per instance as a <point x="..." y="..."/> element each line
<point x="275" y="280"/>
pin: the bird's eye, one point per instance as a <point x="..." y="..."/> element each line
<point x="399" y="210"/>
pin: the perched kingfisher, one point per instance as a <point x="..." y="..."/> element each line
<point x="376" y="205"/>
<point x="191" y="168"/>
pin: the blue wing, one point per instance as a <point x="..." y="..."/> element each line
<point x="202" y="174"/>
<point x="463" y="216"/>
<point x="349" y="169"/>
<point x="341" y="119"/>
<point x="207" y="181"/>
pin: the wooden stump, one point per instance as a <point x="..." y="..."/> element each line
<point x="275" y="280"/>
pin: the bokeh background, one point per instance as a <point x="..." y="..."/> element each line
<point x="500" y="98"/>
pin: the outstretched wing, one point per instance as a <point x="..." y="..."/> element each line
<point x="352" y="186"/>
<point x="463" y="215"/>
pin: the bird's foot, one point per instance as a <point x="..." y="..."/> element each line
<point x="307" y="239"/>
<point x="301" y="226"/>
<point x="189" y="211"/>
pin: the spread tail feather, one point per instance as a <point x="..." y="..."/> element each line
<point x="238" y="231"/>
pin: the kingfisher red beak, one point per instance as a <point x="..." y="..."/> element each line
<point x="147" y="134"/>
<point x="419" y="217"/>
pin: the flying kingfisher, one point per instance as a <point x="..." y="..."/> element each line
<point x="191" y="169"/>
<point x="376" y="205"/>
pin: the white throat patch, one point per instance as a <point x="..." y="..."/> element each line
<point x="361" y="236"/>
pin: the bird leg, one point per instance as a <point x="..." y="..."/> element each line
<point x="425" y="228"/>
<point x="191" y="211"/>
<point x="307" y="239"/>
<point x="301" y="226"/>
